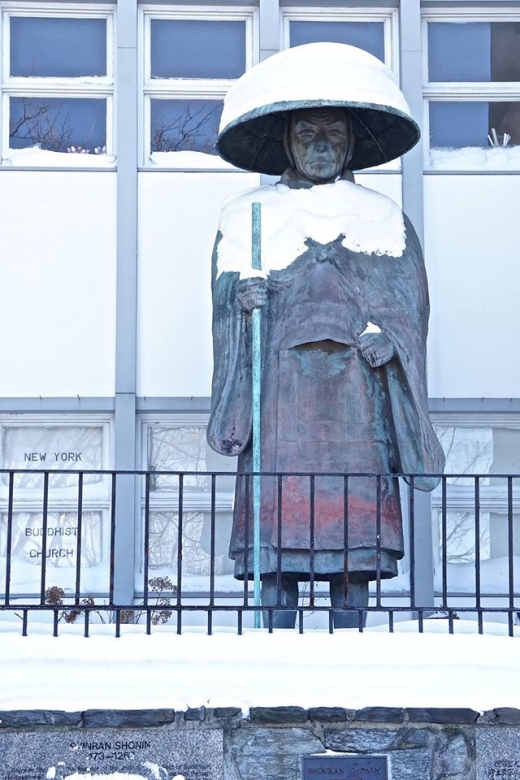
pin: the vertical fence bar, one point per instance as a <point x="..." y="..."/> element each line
<point x="444" y="535"/>
<point x="45" y="521"/>
<point x="378" y="542"/>
<point x="478" y="599"/>
<point x="113" y="498"/>
<point x="9" y="539"/>
<point x="345" y="538"/>
<point x="312" y="496"/>
<point x="79" y="540"/>
<point x="411" y="513"/>
<point x="179" y="552"/>
<point x="279" y="541"/>
<point x="510" y="554"/>
<point x="247" y="533"/>
<point x="146" y="552"/>
<point x="212" y="553"/>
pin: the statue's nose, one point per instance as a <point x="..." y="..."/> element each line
<point x="321" y="142"/>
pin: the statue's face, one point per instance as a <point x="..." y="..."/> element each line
<point x="319" y="139"/>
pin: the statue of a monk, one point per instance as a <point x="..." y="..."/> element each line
<point x="344" y="310"/>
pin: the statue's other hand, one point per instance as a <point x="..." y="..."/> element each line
<point x="252" y="293"/>
<point x="376" y="348"/>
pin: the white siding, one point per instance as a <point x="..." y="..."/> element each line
<point x="472" y="241"/>
<point x="178" y="220"/>
<point x="57" y="290"/>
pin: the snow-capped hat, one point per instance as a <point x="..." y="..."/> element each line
<point x="315" y="75"/>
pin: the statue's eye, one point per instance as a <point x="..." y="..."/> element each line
<point x="305" y="134"/>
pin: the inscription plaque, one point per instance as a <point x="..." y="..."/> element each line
<point x="351" y="767"/>
<point x="151" y="754"/>
<point x="497" y="753"/>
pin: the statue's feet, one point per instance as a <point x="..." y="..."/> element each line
<point x="287" y="596"/>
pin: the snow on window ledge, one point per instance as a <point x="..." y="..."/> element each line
<point x="188" y="160"/>
<point x="35" y="157"/>
<point x="474" y="158"/>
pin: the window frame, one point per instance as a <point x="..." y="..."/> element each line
<point x="100" y="87"/>
<point x="388" y="16"/>
<point x="493" y="497"/>
<point x="187" y="88"/>
<point x="462" y="91"/>
<point x="193" y="500"/>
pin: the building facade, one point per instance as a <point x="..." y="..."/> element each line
<point x="111" y="192"/>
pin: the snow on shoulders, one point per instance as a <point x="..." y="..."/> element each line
<point x="369" y="222"/>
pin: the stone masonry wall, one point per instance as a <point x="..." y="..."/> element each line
<point x="268" y="744"/>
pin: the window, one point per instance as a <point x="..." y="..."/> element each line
<point x="60" y="448"/>
<point x="191" y="59"/>
<point x="487" y="447"/>
<point x="180" y="445"/>
<point x="57" y="87"/>
<point x="472" y="90"/>
<point x="370" y="29"/>
<point x="374" y="30"/>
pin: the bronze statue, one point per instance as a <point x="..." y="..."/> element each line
<point x="344" y="304"/>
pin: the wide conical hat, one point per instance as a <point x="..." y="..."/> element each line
<point x="315" y="75"/>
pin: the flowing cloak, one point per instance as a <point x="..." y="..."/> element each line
<point x="335" y="259"/>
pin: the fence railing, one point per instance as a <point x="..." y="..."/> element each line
<point x="70" y="555"/>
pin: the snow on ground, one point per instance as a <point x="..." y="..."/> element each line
<point x="345" y="669"/>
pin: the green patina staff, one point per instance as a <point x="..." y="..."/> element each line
<point x="256" y="263"/>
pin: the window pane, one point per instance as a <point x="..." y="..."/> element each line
<point x="369" y="36"/>
<point x="185" y="125"/>
<point x="62" y="539"/>
<point x="65" y="448"/>
<point x="479" y="450"/>
<point x="58" y="124"/>
<point x="457" y="125"/>
<point x="58" y="47"/>
<point x="474" y="51"/>
<point x="183" y="48"/>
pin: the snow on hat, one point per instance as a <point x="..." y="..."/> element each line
<point x="315" y="75"/>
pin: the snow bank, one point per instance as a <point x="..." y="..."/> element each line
<point x="259" y="669"/>
<point x="369" y="221"/>
<point x="34" y="156"/>
<point x="190" y="160"/>
<point x="474" y="158"/>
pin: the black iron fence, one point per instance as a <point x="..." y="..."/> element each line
<point x="83" y="548"/>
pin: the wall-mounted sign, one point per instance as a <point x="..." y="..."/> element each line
<point x="58" y="530"/>
<point x="347" y="767"/>
<point x="51" y="448"/>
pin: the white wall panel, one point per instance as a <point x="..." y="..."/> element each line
<point x="389" y="184"/>
<point x="57" y="283"/>
<point x="178" y="220"/>
<point x="472" y="241"/>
